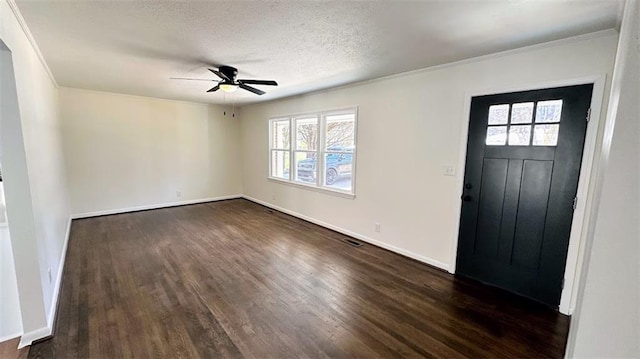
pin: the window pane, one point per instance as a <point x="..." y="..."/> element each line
<point x="522" y="112"/>
<point x="307" y="133"/>
<point x="549" y="111"/>
<point x="519" y="135"/>
<point x="496" y="135"/>
<point x="498" y="114"/>
<point x="340" y="135"/>
<point x="338" y="167"/>
<point x="280" y="134"/>
<point x="306" y="165"/>
<point x="545" y="135"/>
<point x="280" y="164"/>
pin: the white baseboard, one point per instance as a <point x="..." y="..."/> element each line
<point x="9" y="337"/>
<point x="30" y="337"/>
<point x="152" y="206"/>
<point x="56" y="289"/>
<point x="404" y="252"/>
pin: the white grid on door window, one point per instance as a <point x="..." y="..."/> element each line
<point x="513" y="124"/>
<point x="547" y="125"/>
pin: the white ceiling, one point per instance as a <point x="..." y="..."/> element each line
<point x="134" y="47"/>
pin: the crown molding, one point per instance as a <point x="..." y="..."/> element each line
<point x="23" y="24"/>
<point x="471" y="60"/>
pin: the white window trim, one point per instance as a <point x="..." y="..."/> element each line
<point x="320" y="152"/>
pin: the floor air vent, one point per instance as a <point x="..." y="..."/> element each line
<point x="353" y="242"/>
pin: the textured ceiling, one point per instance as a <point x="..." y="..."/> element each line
<point x="135" y="47"/>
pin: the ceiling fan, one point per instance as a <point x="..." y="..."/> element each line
<point x="230" y="83"/>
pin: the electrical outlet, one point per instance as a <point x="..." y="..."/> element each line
<point x="49" y="272"/>
<point x="273" y="196"/>
<point x="376" y="227"/>
<point x="178" y="194"/>
<point x="449" y="170"/>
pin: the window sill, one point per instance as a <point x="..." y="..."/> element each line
<point x="313" y="188"/>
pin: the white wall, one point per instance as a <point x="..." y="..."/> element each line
<point x="127" y="151"/>
<point x="35" y="183"/>
<point x="409" y="126"/>
<point x="11" y="322"/>
<point x="607" y="318"/>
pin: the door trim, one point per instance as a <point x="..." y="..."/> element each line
<point x="579" y="225"/>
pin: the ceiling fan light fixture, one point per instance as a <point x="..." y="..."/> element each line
<point x="229" y="83"/>
<point x="228" y="87"/>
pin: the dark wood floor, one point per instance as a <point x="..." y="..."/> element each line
<point x="231" y="279"/>
<point x="9" y="350"/>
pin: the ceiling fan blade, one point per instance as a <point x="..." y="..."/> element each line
<point x="252" y="89"/>
<point x="259" y="82"/>
<point x="220" y="74"/>
<point x="214" y="89"/>
<point x="188" y="78"/>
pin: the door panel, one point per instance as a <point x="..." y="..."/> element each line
<point x="531" y="212"/>
<point x="531" y="153"/>
<point x="523" y="161"/>
<point x="494" y="173"/>
<point x="510" y="210"/>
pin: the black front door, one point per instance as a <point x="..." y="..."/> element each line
<point x="521" y="177"/>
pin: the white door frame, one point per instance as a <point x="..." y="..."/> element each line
<point x="579" y="225"/>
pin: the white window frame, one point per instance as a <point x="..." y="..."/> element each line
<point x="272" y="150"/>
<point x="294" y="148"/>
<point x="320" y="151"/>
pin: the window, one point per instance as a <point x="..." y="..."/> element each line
<point x="315" y="150"/>
<point x="306" y="151"/>
<point x="280" y="144"/>
<point x="511" y="124"/>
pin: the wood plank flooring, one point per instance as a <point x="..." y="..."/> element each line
<point x="234" y="279"/>
<point x="9" y="350"/>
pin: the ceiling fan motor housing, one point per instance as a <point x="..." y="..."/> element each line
<point x="230" y="72"/>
